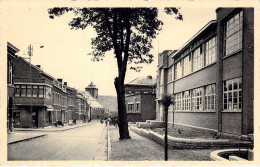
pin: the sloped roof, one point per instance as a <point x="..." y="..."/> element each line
<point x="147" y="81"/>
<point x="92" y="101"/>
<point x="108" y="102"/>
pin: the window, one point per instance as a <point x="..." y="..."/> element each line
<point x="10" y="73"/>
<point x="210" y="97"/>
<point x="41" y="91"/>
<point x="232" y="92"/>
<point x="29" y="90"/>
<point x="137" y="107"/>
<point x="35" y="91"/>
<point x="186" y="101"/>
<point x="233" y="34"/>
<point x="17" y="90"/>
<point x="187" y="65"/>
<point x="197" y="99"/>
<point x="47" y="92"/>
<point x="130" y="107"/>
<point x="178" y="70"/>
<point x="170" y="74"/>
<point x="161" y="77"/>
<point x="210" y="51"/>
<point x="23" y="90"/>
<point x="198" y="59"/>
<point x="178" y="101"/>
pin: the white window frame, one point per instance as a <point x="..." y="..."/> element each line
<point x="178" y="101"/>
<point x="211" y="51"/>
<point x="197" y="99"/>
<point x="210" y="97"/>
<point x="186" y="101"/>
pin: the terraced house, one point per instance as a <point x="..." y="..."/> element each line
<point x="40" y="100"/>
<point x="211" y="77"/>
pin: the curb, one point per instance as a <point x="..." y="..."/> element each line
<point x="182" y="143"/>
<point x="17" y="141"/>
<point x="50" y="130"/>
<point x="216" y="157"/>
<point x="108" y="144"/>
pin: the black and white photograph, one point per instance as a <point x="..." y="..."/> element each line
<point x="115" y="82"/>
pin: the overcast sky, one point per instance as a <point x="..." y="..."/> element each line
<point x="65" y="52"/>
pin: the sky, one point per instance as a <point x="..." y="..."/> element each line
<point x="65" y="52"/>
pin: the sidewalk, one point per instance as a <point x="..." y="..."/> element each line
<point x="20" y="136"/>
<point x="139" y="148"/>
<point x="51" y="128"/>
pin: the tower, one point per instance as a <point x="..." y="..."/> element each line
<point x="91" y="88"/>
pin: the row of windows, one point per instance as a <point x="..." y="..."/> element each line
<point x="202" y="56"/>
<point x="131" y="108"/>
<point x="33" y="91"/>
<point x="59" y="99"/>
<point x="193" y="99"/>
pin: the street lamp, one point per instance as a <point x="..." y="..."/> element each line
<point x="30" y="53"/>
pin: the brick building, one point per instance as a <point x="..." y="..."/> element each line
<point x="39" y="99"/>
<point x="140" y="99"/>
<point x="211" y="77"/>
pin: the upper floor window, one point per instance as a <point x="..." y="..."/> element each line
<point x="233" y="34"/>
<point x="198" y="59"/>
<point x="210" y="51"/>
<point x="232" y="92"/>
<point x="161" y="77"/>
<point x="32" y="91"/>
<point x="10" y="72"/>
<point x="187" y="65"/>
<point x="170" y="74"/>
<point x="178" y="70"/>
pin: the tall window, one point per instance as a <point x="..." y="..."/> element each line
<point x="23" y="90"/>
<point x="10" y="73"/>
<point x="198" y="59"/>
<point x="186" y="101"/>
<point x="130" y="107"/>
<point x="233" y="33"/>
<point x="29" y="90"/>
<point x="137" y="107"/>
<point x="170" y="74"/>
<point x="187" y="65"/>
<point x="210" y="97"/>
<point x="197" y="99"/>
<point x="232" y="92"/>
<point x="17" y="90"/>
<point x="210" y="51"/>
<point x="178" y="100"/>
<point x="35" y="91"/>
<point x="40" y="91"/>
<point x="178" y="70"/>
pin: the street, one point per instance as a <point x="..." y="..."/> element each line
<point x="83" y="143"/>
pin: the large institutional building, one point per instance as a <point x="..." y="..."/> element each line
<point x="211" y="77"/>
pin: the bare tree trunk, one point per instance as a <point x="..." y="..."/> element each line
<point x="122" y="116"/>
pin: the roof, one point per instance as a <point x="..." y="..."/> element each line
<point x="92" y="101"/>
<point x="91" y="85"/>
<point x="144" y="81"/>
<point x="196" y="35"/>
<point x="108" y="102"/>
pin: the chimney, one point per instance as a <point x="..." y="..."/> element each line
<point x="39" y="66"/>
<point x="65" y="83"/>
<point x="60" y="80"/>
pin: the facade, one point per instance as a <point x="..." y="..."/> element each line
<point x="11" y="51"/>
<point x="95" y="109"/>
<point x="211" y="77"/>
<point x="140" y="99"/>
<point x="40" y="100"/>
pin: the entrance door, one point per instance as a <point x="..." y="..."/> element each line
<point x="35" y="119"/>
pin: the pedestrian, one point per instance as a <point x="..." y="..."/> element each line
<point x="106" y="122"/>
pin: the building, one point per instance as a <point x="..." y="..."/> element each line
<point x="211" y="77"/>
<point x="96" y="110"/>
<point x="140" y="99"/>
<point x="40" y="100"/>
<point x="11" y="51"/>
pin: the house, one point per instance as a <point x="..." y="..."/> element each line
<point x="11" y="51"/>
<point x="211" y="77"/>
<point x="140" y="99"/>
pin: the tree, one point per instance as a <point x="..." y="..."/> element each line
<point x="128" y="31"/>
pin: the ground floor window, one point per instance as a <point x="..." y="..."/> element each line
<point x="130" y="107"/>
<point x="137" y="107"/>
<point x="178" y="99"/>
<point x="197" y="99"/>
<point x="186" y="101"/>
<point x="232" y="94"/>
<point x="210" y="96"/>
